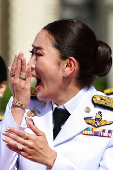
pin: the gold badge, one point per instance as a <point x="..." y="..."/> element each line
<point x="103" y="101"/>
<point x="43" y="104"/>
<point x="31" y="113"/>
<point x="33" y="93"/>
<point x="97" y="122"/>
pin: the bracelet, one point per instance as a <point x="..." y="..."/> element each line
<point x="19" y="104"/>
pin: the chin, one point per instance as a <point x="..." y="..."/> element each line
<point x="40" y="97"/>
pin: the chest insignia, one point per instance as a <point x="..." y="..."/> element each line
<point x="31" y="113"/>
<point x="103" y="101"/>
<point x="108" y="91"/>
<point x="98" y="132"/>
<point x="97" y="122"/>
<point x="33" y="93"/>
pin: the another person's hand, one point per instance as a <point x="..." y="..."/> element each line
<point x="31" y="146"/>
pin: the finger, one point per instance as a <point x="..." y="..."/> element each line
<point x="15" y="131"/>
<point x="36" y="130"/>
<point x="28" y="79"/>
<point x="15" y="149"/>
<point x="18" y="66"/>
<point x="14" y="137"/>
<point x="23" y="68"/>
<point x="22" y="152"/>
<point x="14" y="64"/>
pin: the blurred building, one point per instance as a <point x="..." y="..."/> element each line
<point x="21" y="20"/>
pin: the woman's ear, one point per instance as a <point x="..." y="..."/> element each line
<point x="3" y="88"/>
<point x="70" y="66"/>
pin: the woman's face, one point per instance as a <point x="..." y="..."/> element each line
<point x="47" y="67"/>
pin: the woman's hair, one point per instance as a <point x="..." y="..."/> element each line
<point x="75" y="39"/>
<point x="3" y="70"/>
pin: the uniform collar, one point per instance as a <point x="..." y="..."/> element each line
<point x="72" y="103"/>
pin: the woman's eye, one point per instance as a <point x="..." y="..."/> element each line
<point x="37" y="54"/>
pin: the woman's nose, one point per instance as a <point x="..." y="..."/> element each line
<point x="31" y="63"/>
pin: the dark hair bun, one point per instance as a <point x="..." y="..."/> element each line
<point x="103" y="59"/>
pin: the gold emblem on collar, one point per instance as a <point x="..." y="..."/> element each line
<point x="103" y="101"/>
<point x="31" y="113"/>
<point x="33" y="92"/>
<point x="97" y="122"/>
<point x="43" y="104"/>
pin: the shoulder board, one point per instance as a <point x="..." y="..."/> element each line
<point x="108" y="91"/>
<point x="33" y="93"/>
<point x="103" y="101"/>
<point x="1" y="117"/>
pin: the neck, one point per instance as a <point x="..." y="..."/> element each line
<point x="65" y="95"/>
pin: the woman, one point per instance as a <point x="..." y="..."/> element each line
<point x="66" y="57"/>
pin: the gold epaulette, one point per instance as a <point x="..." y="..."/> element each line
<point x="108" y="91"/>
<point x="33" y="93"/>
<point x="1" y="117"/>
<point x="103" y="101"/>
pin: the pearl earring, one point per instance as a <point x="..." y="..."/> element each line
<point x="64" y="74"/>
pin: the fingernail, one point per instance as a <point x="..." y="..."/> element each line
<point x="16" y="56"/>
<point x="20" y="53"/>
<point x="3" y="132"/>
<point x="3" y="139"/>
<point x="28" y="67"/>
<point x="7" y="128"/>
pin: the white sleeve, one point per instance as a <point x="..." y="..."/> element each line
<point x="8" y="158"/>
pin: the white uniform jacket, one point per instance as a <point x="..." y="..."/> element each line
<point x="75" y="151"/>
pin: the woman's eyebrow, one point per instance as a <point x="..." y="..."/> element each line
<point x="37" y="47"/>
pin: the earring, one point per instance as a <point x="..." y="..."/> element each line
<point x="1" y="95"/>
<point x="64" y="74"/>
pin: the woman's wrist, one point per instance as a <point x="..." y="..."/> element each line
<point x="18" y="104"/>
<point x="17" y="113"/>
<point x="51" y="160"/>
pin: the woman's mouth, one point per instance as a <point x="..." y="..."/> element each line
<point x="38" y="80"/>
<point x="38" y="84"/>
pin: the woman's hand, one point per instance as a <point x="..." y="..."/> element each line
<point x="20" y="80"/>
<point x="31" y="146"/>
<point x="20" y="83"/>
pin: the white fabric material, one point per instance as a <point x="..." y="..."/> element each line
<point x="74" y="150"/>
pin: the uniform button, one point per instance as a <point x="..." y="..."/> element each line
<point x="43" y="104"/>
<point x="87" y="110"/>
